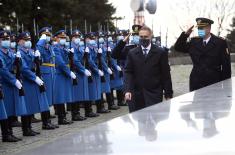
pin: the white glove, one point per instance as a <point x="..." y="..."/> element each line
<point x="37" y="53"/>
<point x="109" y="49"/>
<point x="87" y="72"/>
<point x="100" y="51"/>
<point x="18" y="55"/>
<point x="72" y="75"/>
<point x="119" y="68"/>
<point x="39" y="81"/>
<point x="87" y="50"/>
<point x="18" y="84"/>
<point x="110" y="71"/>
<point x="101" y="73"/>
<point x="71" y="50"/>
<point x="43" y="37"/>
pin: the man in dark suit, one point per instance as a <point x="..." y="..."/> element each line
<point x="147" y="73"/>
<point x="209" y="53"/>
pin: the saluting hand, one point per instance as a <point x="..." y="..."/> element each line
<point x="190" y="30"/>
<point x="127" y="38"/>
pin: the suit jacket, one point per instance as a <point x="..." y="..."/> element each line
<point x="147" y="78"/>
<point x="211" y="63"/>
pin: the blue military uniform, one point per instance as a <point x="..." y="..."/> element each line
<point x="36" y="101"/>
<point x="63" y="82"/>
<point x="15" y="105"/>
<point x="48" y="64"/>
<point x="95" y="85"/>
<point x="81" y="92"/>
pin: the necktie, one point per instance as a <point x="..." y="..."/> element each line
<point x="204" y="43"/>
<point x="145" y="52"/>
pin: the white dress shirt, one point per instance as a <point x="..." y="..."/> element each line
<point x="148" y="48"/>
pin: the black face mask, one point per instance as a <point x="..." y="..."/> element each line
<point x="145" y="42"/>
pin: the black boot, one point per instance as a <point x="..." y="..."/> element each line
<point x="100" y="107"/>
<point x="76" y="112"/>
<point x="111" y="105"/>
<point x="88" y="110"/>
<point x="62" y="115"/>
<point x="120" y="98"/>
<point x="6" y="134"/>
<point x="46" y="123"/>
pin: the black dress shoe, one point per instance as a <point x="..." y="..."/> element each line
<point x="35" y="120"/>
<point x="103" y="111"/>
<point x="91" y="114"/>
<point x="48" y="126"/>
<point x="55" y="125"/>
<point x="64" y="121"/>
<point x="122" y="104"/>
<point x="16" y="124"/>
<point x="77" y="117"/>
<point x="114" y="107"/>
<point x="9" y="138"/>
<point x="28" y="132"/>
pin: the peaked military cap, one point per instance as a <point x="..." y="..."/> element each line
<point x="203" y="22"/>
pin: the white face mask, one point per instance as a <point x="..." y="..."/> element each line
<point x="62" y="41"/>
<point x="76" y="41"/>
<point x="48" y="39"/>
<point x="27" y="44"/>
<point x="13" y="44"/>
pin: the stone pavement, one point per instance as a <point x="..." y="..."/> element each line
<point x="180" y="75"/>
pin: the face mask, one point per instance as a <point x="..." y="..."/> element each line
<point x="5" y="43"/>
<point x="120" y="38"/>
<point x="54" y="43"/>
<point x="101" y="40"/>
<point x="76" y="41"/>
<point x="66" y="44"/>
<point x="136" y="40"/>
<point x="110" y="39"/>
<point x="201" y="33"/>
<point x="144" y="42"/>
<point x="92" y="43"/>
<point x="27" y="44"/>
<point x="81" y="43"/>
<point x="13" y="44"/>
<point x="48" y="39"/>
<point x="62" y="41"/>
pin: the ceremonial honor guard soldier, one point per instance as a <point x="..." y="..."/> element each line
<point x="14" y="102"/>
<point x="47" y="68"/>
<point x="63" y="77"/>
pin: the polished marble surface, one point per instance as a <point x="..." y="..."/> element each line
<point x="197" y="123"/>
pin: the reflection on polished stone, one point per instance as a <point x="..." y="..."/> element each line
<point x="197" y="123"/>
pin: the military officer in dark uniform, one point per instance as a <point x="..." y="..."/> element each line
<point x="209" y="54"/>
<point x="120" y="52"/>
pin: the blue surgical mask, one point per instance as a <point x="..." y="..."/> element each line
<point x="5" y="43"/>
<point x="81" y="43"/>
<point x="110" y="39"/>
<point x="136" y="40"/>
<point x="201" y="33"/>
<point x="76" y="41"/>
<point x="66" y="44"/>
<point x="48" y="39"/>
<point x="27" y="44"/>
<point x="62" y="41"/>
<point x="101" y="40"/>
<point x="13" y="44"/>
<point x="120" y="38"/>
